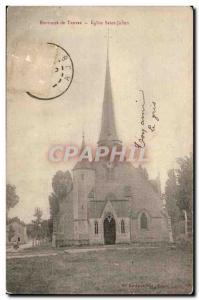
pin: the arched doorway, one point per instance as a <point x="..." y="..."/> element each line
<point x="109" y="230"/>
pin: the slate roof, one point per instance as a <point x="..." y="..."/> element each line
<point x="95" y="208"/>
<point x="121" y="207"/>
<point x="84" y="164"/>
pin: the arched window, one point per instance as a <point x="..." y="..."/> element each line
<point x="96" y="227"/>
<point x="122" y="227"/>
<point x="143" y="221"/>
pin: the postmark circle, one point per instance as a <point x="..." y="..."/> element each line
<point x="62" y="76"/>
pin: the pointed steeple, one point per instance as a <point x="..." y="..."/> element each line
<point x="108" y="133"/>
<point x="83" y="141"/>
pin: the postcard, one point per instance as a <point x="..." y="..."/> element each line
<point x="99" y="190"/>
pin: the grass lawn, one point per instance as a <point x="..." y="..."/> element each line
<point x="118" y="271"/>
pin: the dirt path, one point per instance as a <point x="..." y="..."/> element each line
<point x="52" y="252"/>
<point x="25" y="255"/>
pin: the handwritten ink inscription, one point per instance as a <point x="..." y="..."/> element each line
<point x="150" y="128"/>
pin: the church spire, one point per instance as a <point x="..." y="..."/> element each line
<point x="108" y="134"/>
<point x="83" y="141"/>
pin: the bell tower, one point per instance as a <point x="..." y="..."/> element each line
<point x="83" y="184"/>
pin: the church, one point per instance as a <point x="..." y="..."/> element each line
<point x="111" y="203"/>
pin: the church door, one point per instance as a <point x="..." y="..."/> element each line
<point x="109" y="230"/>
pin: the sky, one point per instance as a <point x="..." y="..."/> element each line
<point x="151" y="50"/>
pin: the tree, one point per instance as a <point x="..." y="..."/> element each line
<point x="36" y="225"/>
<point x="62" y="186"/>
<point x="54" y="210"/>
<point x="38" y="214"/>
<point x="171" y="201"/>
<point x="30" y="231"/>
<point x="54" y="205"/>
<point x="11" y="232"/>
<point x="11" y="197"/>
<point x="50" y="228"/>
<point x="184" y="192"/>
<point x="179" y="194"/>
<point x="170" y="195"/>
<point x="45" y="232"/>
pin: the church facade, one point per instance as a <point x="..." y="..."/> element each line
<point x="110" y="203"/>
